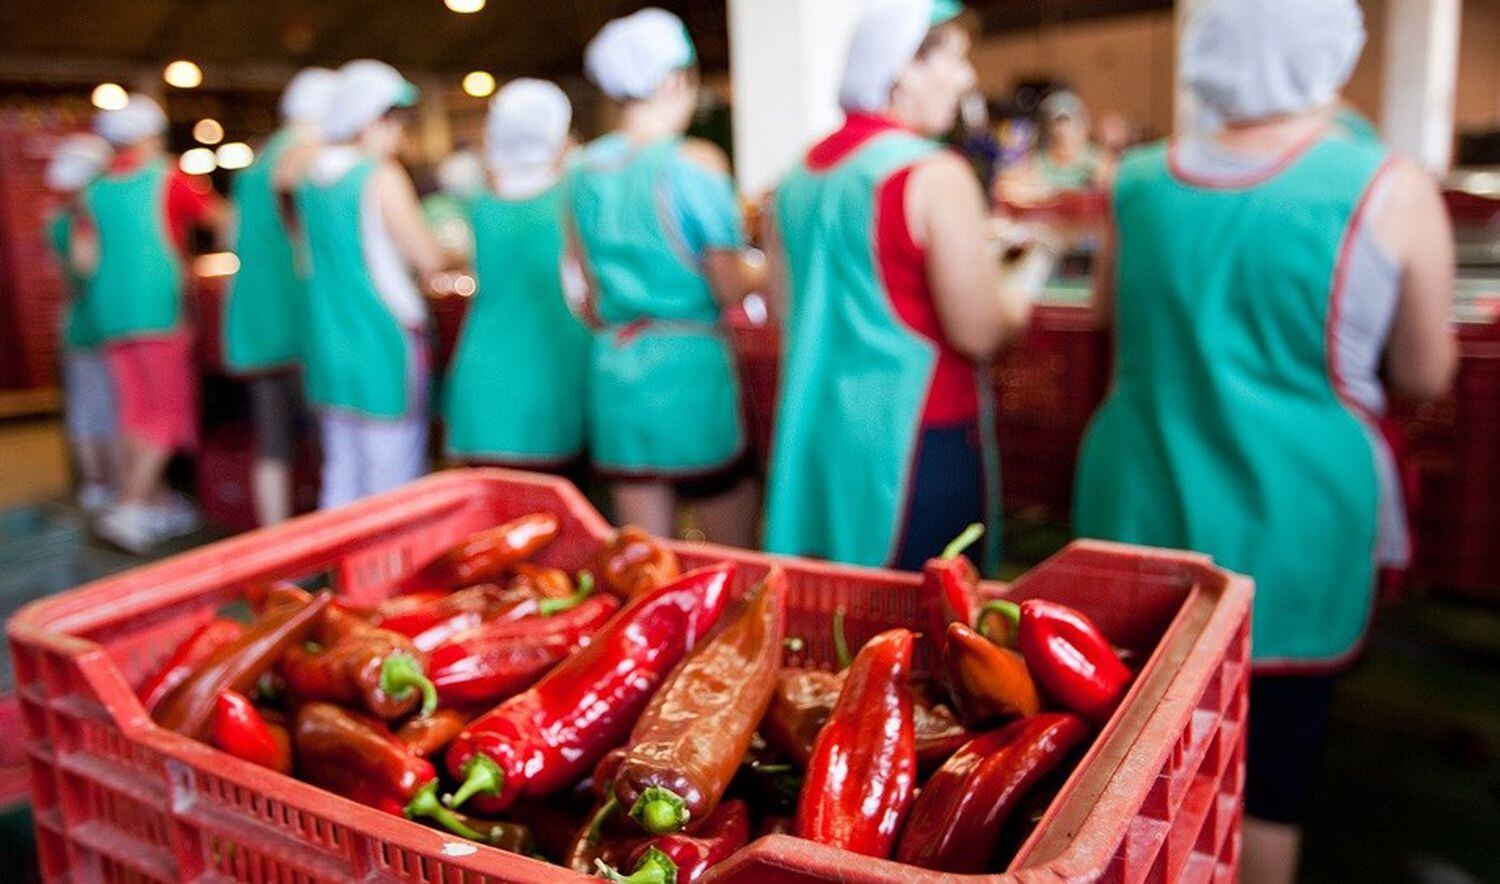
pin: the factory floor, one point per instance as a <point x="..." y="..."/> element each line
<point x="1410" y="787"/>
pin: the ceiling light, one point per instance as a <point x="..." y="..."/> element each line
<point x="198" y="161"/>
<point x="464" y="6"/>
<point x="109" y="96"/>
<point x="480" y="84"/>
<point x="208" y="131"/>
<point x="235" y="155"/>
<point x="183" y="75"/>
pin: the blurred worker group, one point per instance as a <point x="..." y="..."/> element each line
<point x="1271" y="276"/>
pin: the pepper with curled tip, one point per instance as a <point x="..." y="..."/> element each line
<point x="485" y="556"/>
<point x="353" y="663"/>
<point x="634" y="562"/>
<point x="956" y="820"/>
<point x="863" y="772"/>
<point x="688" y="744"/>
<point x="541" y="741"/>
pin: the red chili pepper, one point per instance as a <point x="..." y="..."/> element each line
<point x="1070" y="658"/>
<point x="862" y="774"/>
<point x="503" y="658"/>
<point x="262" y="597"/>
<point x="689" y="743"/>
<point x="950" y="583"/>
<point x="431" y="625"/>
<point x="540" y="741"/>
<point x="987" y="682"/>
<point x="486" y="555"/>
<point x="957" y="818"/>
<point x="543" y="583"/>
<point x="239" y="665"/>
<point x="939" y="732"/>
<point x="554" y="828"/>
<point x="203" y="643"/>
<point x="356" y="664"/>
<point x="634" y="562"/>
<point x="684" y="857"/>
<point x="240" y="730"/>
<point x="426" y="735"/>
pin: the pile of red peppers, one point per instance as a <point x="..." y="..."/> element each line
<point x="636" y="721"/>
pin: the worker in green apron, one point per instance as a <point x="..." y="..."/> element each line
<point x="891" y="301"/>
<point x="366" y="367"/>
<point x="516" y="392"/>
<point x="1066" y="161"/>
<point x="89" y="409"/>
<point x="658" y="230"/>
<point x="460" y="181"/>
<point x="266" y="301"/>
<point x="1267" y="283"/>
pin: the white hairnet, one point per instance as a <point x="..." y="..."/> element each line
<point x="78" y="160"/>
<point x="527" y="126"/>
<point x="461" y="174"/>
<point x="309" y="95"/>
<point x="367" y="90"/>
<point x="1253" y="59"/>
<point x="885" y="41"/>
<point x="139" y="119"/>
<point x="632" y="56"/>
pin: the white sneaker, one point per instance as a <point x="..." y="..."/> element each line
<point x="174" y="518"/>
<point x="95" y="497"/>
<point x="128" y="526"/>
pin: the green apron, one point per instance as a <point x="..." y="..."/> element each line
<point x="1224" y="432"/>
<point x="79" y="330"/>
<point x="267" y="297"/>
<point x="855" y="378"/>
<point x="136" y="291"/>
<point x="357" y="355"/>
<point x="515" y="393"/>
<point x="663" y="397"/>
<point x="1078" y="175"/>
<point x="447" y="217"/>
<point x="1355" y="124"/>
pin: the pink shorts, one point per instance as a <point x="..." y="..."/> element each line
<point x="157" y="383"/>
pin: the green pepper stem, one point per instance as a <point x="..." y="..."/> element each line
<point x="660" y="811"/>
<point x="400" y="674"/>
<point x="482" y="776"/>
<point x="425" y="805"/>
<point x="841" y="641"/>
<point x="963" y="541"/>
<point x="608" y="809"/>
<point x="549" y="607"/>
<point x="655" y="868"/>
<point x="1005" y="608"/>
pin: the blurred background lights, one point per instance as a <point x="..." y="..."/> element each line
<point x="183" y="75"/>
<point x="109" y="96"/>
<point x="235" y="155"/>
<point x="465" y="5"/>
<point x="198" y="161"/>
<point x="480" y="84"/>
<point x="208" y="131"/>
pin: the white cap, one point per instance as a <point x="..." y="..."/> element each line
<point x="139" y="119"/>
<point x="885" y="41"/>
<point x="1254" y="59"/>
<point x="367" y="90"/>
<point x="461" y="174"/>
<point x="632" y="56"/>
<point x="78" y="160"/>
<point x="527" y="126"/>
<point x="309" y="95"/>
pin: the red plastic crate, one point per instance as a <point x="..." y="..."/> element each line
<point x="223" y="473"/>
<point x="1157" y="797"/>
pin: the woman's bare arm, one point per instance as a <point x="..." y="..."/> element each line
<point x="402" y="212"/>
<point x="1421" y="356"/>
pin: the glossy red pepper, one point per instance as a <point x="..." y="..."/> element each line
<point x="689" y="742"/>
<point x="359" y="665"/>
<point x="503" y="658"/>
<point x="987" y="682"/>
<point x="950" y="584"/>
<point x="684" y="857"/>
<point x="434" y="622"/>
<point x="1070" y="658"/>
<point x="203" y="643"/>
<point x="634" y="562"/>
<point x="541" y="741"/>
<point x="487" y="555"/>
<point x="239" y="729"/>
<point x="239" y="665"/>
<point x="863" y="771"/>
<point x="426" y="735"/>
<point x="955" y="822"/>
<point x="544" y="583"/>
<point x="262" y="597"/>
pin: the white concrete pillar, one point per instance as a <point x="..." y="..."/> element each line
<point x="1421" y="73"/>
<point x="786" y="60"/>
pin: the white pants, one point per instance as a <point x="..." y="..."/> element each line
<point x="362" y="456"/>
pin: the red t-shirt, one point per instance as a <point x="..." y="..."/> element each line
<point x="190" y="199"/>
<point x="953" y="397"/>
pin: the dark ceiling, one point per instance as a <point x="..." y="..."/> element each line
<point x="61" y="40"/>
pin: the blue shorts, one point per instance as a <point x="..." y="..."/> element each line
<point x="947" y="493"/>
<point x="1288" y="722"/>
<point x="91" y="410"/>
